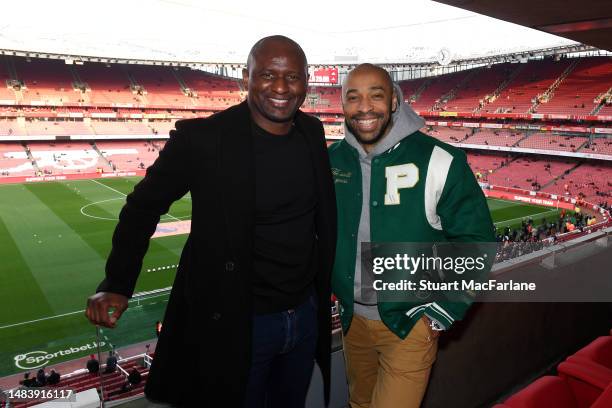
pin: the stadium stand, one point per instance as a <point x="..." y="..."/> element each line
<point x="57" y="128"/>
<point x="448" y="134"/>
<point x="600" y="146"/>
<point x="104" y="84"/>
<point x="158" y="86"/>
<point x="576" y="93"/>
<point x="547" y="141"/>
<point x="51" y="85"/>
<point x="66" y="158"/>
<point x="9" y="127"/>
<point x="14" y="160"/>
<point x="483" y="164"/>
<point x="112" y="383"/>
<point x="7" y="95"/>
<point x="129" y="155"/>
<point x="589" y="180"/>
<point x="483" y="83"/>
<point x="500" y="137"/>
<point x="535" y="78"/>
<point x="132" y="127"/>
<point x="529" y="173"/>
<point x="437" y="88"/>
<point x="606" y="110"/>
<point x="211" y="91"/>
<point x="413" y="88"/>
<point x="325" y="96"/>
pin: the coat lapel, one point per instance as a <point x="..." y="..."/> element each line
<point x="237" y="177"/>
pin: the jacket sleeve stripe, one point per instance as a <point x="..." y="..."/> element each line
<point x="437" y="172"/>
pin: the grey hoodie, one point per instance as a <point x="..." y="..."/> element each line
<point x="405" y="121"/>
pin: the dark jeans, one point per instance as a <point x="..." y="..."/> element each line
<point x="283" y="357"/>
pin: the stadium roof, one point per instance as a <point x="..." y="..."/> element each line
<point x="340" y="32"/>
<point x="588" y="22"/>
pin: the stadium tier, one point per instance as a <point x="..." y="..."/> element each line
<point x="449" y="135"/>
<point x="66" y="158"/>
<point x="157" y="86"/>
<point x="91" y="129"/>
<point x="412" y="89"/>
<point x="573" y="87"/>
<point x="128" y="155"/>
<point x="14" y="160"/>
<point x="121" y="128"/>
<point x="601" y="146"/>
<point x="492" y="137"/>
<point x="51" y="86"/>
<point x="480" y="85"/>
<point x="437" y="88"/>
<point x="553" y="142"/>
<point x="7" y="95"/>
<point x="483" y="164"/>
<point x="103" y="84"/>
<point x="528" y="173"/>
<point x="324" y="96"/>
<point x="55" y="128"/>
<point x="576" y="93"/>
<point x="533" y="78"/>
<point x="211" y="91"/>
<point x="605" y="110"/>
<point x="592" y="182"/>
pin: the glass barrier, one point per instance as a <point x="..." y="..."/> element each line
<point x="122" y="356"/>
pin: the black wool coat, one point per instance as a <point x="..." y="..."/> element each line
<point x="204" y="351"/>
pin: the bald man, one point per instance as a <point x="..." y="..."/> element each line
<point x="409" y="188"/>
<point x="249" y="309"/>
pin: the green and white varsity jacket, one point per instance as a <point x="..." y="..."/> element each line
<point x="418" y="189"/>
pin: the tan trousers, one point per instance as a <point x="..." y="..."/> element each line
<point x="385" y="371"/>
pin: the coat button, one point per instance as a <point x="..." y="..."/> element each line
<point x="216" y="316"/>
<point x="229" y="266"/>
<point x="375" y="203"/>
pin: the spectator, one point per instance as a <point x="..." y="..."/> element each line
<point x="134" y="377"/>
<point x="124" y="388"/>
<point x="111" y="363"/>
<point x="41" y="378"/>
<point x="27" y="381"/>
<point x="93" y="366"/>
<point x="53" y="378"/>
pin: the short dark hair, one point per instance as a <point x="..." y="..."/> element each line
<point x="281" y="38"/>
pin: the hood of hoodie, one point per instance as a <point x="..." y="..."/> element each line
<point x="405" y="122"/>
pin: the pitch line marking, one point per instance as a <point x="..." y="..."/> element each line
<point x="64" y="314"/>
<point x="124" y="195"/>
<point x="527" y="216"/>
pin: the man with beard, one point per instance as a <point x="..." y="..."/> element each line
<point x="409" y="188"/>
<point x="249" y="309"/>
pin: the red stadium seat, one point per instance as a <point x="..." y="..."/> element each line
<point x="587" y="381"/>
<point x="545" y="392"/>
<point x="589" y="370"/>
<point x="605" y="399"/>
<point x="599" y="352"/>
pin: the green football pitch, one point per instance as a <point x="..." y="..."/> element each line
<point x="54" y="239"/>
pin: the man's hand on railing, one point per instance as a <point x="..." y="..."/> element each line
<point x="99" y="306"/>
